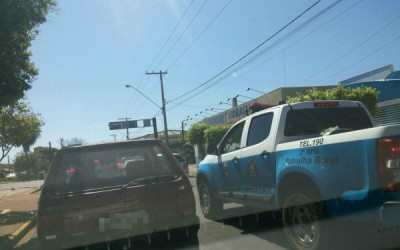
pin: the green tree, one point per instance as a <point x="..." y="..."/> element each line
<point x="213" y="135"/>
<point x="75" y="141"/>
<point x="30" y="166"/>
<point x="367" y="95"/>
<point x="196" y="136"/>
<point x="19" y="25"/>
<point x="18" y="125"/>
<point x="48" y="153"/>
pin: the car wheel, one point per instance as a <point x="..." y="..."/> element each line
<point x="210" y="206"/>
<point x="301" y="218"/>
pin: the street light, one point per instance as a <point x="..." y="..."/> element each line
<point x="213" y="109"/>
<point x="244" y="96"/>
<point x="203" y="112"/>
<point x="224" y="103"/>
<point x="130" y="86"/>
<point x="256" y="91"/>
<point x="162" y="108"/>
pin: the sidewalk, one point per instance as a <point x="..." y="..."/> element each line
<point x="17" y="217"/>
<point x="192" y="170"/>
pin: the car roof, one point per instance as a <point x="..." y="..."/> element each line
<point x="110" y="144"/>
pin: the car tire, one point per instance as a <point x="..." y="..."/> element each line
<point x="210" y="206"/>
<point x="302" y="219"/>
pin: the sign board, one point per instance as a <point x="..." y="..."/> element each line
<point x="129" y="124"/>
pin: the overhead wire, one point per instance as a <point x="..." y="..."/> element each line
<point x="133" y="99"/>
<point x="354" y="48"/>
<point x="246" y="55"/>
<point x="170" y="35"/>
<point x="199" y="35"/>
<point x="362" y="59"/>
<point x="183" y="32"/>
<point x="300" y="39"/>
<point x="229" y="70"/>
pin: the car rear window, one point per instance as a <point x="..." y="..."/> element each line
<point x="88" y="168"/>
<point x="316" y="121"/>
<point x="179" y="158"/>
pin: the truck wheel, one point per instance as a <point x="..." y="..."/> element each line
<point x="210" y="206"/>
<point x="301" y="218"/>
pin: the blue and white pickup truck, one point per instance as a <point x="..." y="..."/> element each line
<point x="309" y="160"/>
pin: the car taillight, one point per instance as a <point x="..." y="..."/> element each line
<point x="389" y="163"/>
<point x="185" y="201"/>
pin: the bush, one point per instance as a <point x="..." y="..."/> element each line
<point x="213" y="135"/>
<point x="367" y="95"/>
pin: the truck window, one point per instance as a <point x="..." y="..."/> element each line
<point x="231" y="141"/>
<point x="318" y="120"/>
<point x="260" y="127"/>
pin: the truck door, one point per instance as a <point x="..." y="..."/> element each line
<point x="229" y="159"/>
<point x="257" y="159"/>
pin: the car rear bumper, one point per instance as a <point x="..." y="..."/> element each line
<point x="187" y="229"/>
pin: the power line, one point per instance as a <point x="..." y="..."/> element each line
<point x="170" y="35"/>
<point x="227" y="73"/>
<point x="362" y="59"/>
<point x="292" y="44"/>
<point x="353" y="49"/>
<point x="133" y="99"/>
<point x="183" y="32"/>
<point x="247" y="54"/>
<point x="201" y="33"/>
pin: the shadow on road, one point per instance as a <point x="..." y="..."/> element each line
<point x="15" y="217"/>
<point x="342" y="234"/>
<point x="32" y="244"/>
<point x="159" y="241"/>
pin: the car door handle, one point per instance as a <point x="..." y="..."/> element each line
<point x="235" y="161"/>
<point x="265" y="155"/>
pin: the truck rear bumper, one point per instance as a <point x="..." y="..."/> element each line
<point x="376" y="209"/>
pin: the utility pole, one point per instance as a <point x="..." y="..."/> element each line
<point x="127" y="127"/>
<point x="163" y="102"/>
<point x="183" y="131"/>
<point x="115" y="136"/>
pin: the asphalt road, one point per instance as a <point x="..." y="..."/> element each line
<point x="234" y="233"/>
<point x="244" y="230"/>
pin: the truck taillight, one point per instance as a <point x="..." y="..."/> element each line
<point x="389" y="163"/>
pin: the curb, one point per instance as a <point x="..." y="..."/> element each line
<point x="17" y="235"/>
<point x="35" y="190"/>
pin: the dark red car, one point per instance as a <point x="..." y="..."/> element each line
<point x="115" y="191"/>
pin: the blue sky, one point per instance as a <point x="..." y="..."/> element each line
<point x="88" y="50"/>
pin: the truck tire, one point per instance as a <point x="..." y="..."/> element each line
<point x="301" y="219"/>
<point x="210" y="206"/>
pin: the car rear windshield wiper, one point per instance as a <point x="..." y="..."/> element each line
<point x="149" y="179"/>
